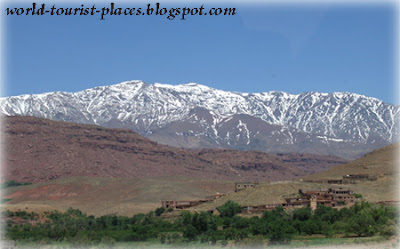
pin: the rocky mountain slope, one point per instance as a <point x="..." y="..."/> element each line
<point x="196" y="116"/>
<point x="38" y="150"/>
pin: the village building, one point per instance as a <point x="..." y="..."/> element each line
<point x="188" y="204"/>
<point x="328" y="197"/>
<point x="218" y="195"/>
<point x="182" y="204"/>
<point x="215" y="197"/>
<point x="254" y="209"/>
<point x="334" y="198"/>
<point x="353" y="178"/>
<point x="348" y="179"/>
<point x="243" y="185"/>
<point x="389" y="203"/>
<point x="272" y="206"/>
<point x="335" y="181"/>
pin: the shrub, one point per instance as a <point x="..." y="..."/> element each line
<point x="389" y="229"/>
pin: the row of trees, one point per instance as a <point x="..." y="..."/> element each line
<point x="276" y="226"/>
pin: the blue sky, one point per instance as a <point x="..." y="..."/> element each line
<point x="262" y="48"/>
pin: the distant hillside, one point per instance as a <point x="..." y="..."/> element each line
<point x="38" y="150"/>
<point x="378" y="162"/>
<point x="105" y="195"/>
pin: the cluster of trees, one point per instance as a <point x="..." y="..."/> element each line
<point x="13" y="183"/>
<point x="276" y="226"/>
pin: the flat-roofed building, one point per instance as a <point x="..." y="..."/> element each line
<point x="243" y="185"/>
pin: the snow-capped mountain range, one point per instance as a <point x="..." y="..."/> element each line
<point x="194" y="115"/>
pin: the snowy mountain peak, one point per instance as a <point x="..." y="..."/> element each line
<point x="147" y="108"/>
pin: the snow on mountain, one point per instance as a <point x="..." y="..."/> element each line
<point x="147" y="108"/>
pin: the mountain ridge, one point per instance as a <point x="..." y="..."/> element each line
<point x="328" y="123"/>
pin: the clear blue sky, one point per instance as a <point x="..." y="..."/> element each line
<point x="263" y="48"/>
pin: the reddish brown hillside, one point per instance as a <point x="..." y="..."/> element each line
<point x="255" y="161"/>
<point x="37" y="150"/>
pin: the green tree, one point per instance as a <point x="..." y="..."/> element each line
<point x="361" y="223"/>
<point x="229" y="209"/>
<point x="190" y="232"/>
<point x="311" y="226"/>
<point x="281" y="232"/>
<point x="159" y="211"/>
<point x="203" y="222"/>
<point x="302" y="214"/>
<point x="327" y="229"/>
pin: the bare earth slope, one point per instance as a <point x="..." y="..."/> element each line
<point x="38" y="150"/>
<point x="107" y="196"/>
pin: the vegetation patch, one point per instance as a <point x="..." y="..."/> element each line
<point x="276" y="227"/>
<point x="13" y="183"/>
